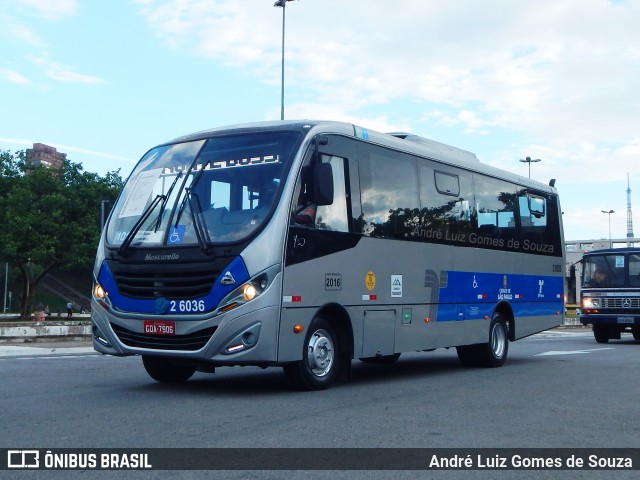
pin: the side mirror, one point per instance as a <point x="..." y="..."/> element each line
<point x="537" y="206"/>
<point x="322" y="182"/>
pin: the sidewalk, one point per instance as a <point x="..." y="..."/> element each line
<point x="77" y="328"/>
<point x="56" y="336"/>
<point x="41" y="349"/>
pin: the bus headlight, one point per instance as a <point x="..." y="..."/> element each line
<point x="99" y="292"/>
<point x="249" y="292"/>
<point x="245" y="293"/>
<point x="101" y="295"/>
<point x="590" y="303"/>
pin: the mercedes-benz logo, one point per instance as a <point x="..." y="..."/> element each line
<point x="626" y="302"/>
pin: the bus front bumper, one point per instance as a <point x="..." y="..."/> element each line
<point x="241" y="339"/>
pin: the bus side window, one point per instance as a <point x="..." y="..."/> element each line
<point x="496" y="206"/>
<point x="446" y="198"/>
<point x="389" y="192"/>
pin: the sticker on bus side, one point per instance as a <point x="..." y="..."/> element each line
<point x="370" y="281"/>
<point x="396" y="285"/>
<point x="333" y="281"/>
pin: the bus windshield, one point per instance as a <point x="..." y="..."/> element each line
<point x="607" y="271"/>
<point x="214" y="190"/>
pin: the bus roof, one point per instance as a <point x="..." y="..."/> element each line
<point x="605" y="251"/>
<point x="406" y="142"/>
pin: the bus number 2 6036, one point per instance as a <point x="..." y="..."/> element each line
<point x="182" y="306"/>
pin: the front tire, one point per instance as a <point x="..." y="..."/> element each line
<point x="165" y="370"/>
<point x="636" y="333"/>
<point x="601" y="333"/>
<point x="320" y="362"/>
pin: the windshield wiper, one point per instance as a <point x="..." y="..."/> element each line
<point x="165" y="200"/>
<point x="147" y="212"/>
<point x="197" y="226"/>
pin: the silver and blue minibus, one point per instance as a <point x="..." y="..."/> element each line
<point x="309" y="244"/>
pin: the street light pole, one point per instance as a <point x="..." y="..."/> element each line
<point x="609" y="212"/>
<point x="529" y="160"/>
<point x="6" y="284"/>
<point x="282" y="3"/>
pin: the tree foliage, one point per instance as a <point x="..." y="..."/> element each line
<point x="50" y="218"/>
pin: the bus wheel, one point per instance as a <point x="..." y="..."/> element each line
<point x="166" y="371"/>
<point x="498" y="345"/>
<point x="601" y="333"/>
<point x="490" y="354"/>
<point x="382" y="359"/>
<point x="468" y="355"/>
<point x="318" y="368"/>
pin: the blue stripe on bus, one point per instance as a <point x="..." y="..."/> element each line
<point x="473" y="295"/>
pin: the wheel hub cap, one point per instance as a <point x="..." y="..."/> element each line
<point x="320" y="353"/>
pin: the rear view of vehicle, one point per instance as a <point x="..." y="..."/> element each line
<point x="610" y="293"/>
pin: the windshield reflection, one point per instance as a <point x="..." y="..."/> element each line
<point x="217" y="190"/>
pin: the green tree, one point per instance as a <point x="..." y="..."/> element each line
<point x="49" y="218"/>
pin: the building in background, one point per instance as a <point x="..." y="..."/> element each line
<point x="45" y="155"/>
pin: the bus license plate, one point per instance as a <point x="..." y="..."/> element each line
<point x="159" y="327"/>
<point x="625" y="319"/>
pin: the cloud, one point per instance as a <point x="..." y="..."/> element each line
<point x="63" y="73"/>
<point x="517" y="64"/>
<point x="65" y="149"/>
<point x="93" y="153"/>
<point x="560" y="78"/>
<point x="19" y="32"/>
<point x="50" y="9"/>
<point x="14" y="77"/>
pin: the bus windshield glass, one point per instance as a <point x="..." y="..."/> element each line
<point x="606" y="271"/>
<point x="214" y="190"/>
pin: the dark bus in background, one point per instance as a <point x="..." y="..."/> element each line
<point x="610" y="293"/>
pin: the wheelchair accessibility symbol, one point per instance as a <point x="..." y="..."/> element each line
<point x="176" y="235"/>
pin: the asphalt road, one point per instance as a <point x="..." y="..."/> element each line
<point x="558" y="389"/>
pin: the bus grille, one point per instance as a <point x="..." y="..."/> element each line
<point x="150" y="281"/>
<point x="190" y="342"/>
<point x="620" y="302"/>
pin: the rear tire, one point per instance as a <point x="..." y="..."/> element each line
<point x="491" y="354"/>
<point x="320" y="362"/>
<point x="468" y="355"/>
<point x="166" y="370"/>
<point x="601" y="333"/>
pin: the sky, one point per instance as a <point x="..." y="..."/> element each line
<point x="557" y="81"/>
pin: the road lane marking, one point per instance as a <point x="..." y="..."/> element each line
<point x="571" y="352"/>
